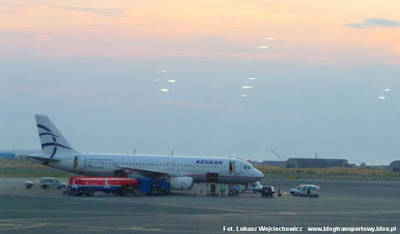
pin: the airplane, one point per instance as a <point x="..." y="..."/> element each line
<point x="182" y="170"/>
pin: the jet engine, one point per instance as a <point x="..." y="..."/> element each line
<point x="181" y="183"/>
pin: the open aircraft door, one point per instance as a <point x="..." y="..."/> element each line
<point x="235" y="167"/>
<point x="238" y="168"/>
<point x="79" y="163"/>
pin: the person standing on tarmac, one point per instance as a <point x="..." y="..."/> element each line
<point x="223" y="190"/>
<point x="237" y="190"/>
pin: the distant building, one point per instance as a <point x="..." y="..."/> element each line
<point x="395" y="166"/>
<point x="267" y="163"/>
<point x="6" y="154"/>
<point x="315" y="163"/>
<point x="254" y="163"/>
<point x="272" y="163"/>
<point x="18" y="154"/>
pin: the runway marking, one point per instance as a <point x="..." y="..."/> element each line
<point x="135" y="228"/>
<point x="340" y="212"/>
<point x="22" y="227"/>
<point x="256" y="214"/>
<point x="7" y="224"/>
<point x="66" y="211"/>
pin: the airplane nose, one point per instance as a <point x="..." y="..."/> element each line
<point x="259" y="174"/>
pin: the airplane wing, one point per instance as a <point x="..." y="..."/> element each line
<point x="145" y="172"/>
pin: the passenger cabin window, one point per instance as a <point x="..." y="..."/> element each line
<point x="232" y="167"/>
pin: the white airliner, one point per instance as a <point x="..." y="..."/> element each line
<point x="182" y="170"/>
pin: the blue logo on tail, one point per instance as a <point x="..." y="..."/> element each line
<point x="54" y="143"/>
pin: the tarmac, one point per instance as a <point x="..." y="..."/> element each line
<point x="341" y="203"/>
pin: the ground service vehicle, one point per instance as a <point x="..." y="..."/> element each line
<point x="29" y="184"/>
<point x="255" y="187"/>
<point x="266" y="191"/>
<point x="47" y="182"/>
<point x="309" y="190"/>
<point x="79" y="186"/>
<point x="156" y="186"/>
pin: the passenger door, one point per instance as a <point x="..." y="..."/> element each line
<point x="171" y="167"/>
<point x="79" y="163"/>
<point x="232" y="167"/>
<point x="238" y="168"/>
<point x="235" y="167"/>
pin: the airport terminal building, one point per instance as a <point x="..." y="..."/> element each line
<point x="315" y="163"/>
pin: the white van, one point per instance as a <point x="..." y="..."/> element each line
<point x="309" y="190"/>
<point x="255" y="187"/>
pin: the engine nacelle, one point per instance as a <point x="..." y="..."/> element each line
<point x="181" y="183"/>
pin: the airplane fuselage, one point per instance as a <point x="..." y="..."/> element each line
<point x="229" y="170"/>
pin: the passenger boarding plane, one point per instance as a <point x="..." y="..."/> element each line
<point x="182" y="170"/>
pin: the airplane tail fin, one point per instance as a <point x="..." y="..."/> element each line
<point x="52" y="140"/>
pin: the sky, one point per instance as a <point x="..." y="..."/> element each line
<point x="174" y="75"/>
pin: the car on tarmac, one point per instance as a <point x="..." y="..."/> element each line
<point x="267" y="192"/>
<point x="29" y="184"/>
<point x="307" y="190"/>
<point x="48" y="182"/>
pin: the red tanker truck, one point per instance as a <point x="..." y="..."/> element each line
<point x="79" y="186"/>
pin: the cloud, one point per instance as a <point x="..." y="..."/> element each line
<point x="113" y="12"/>
<point x="374" y="23"/>
<point x="96" y="11"/>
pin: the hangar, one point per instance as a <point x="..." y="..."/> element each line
<point x="395" y="166"/>
<point x="315" y="163"/>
